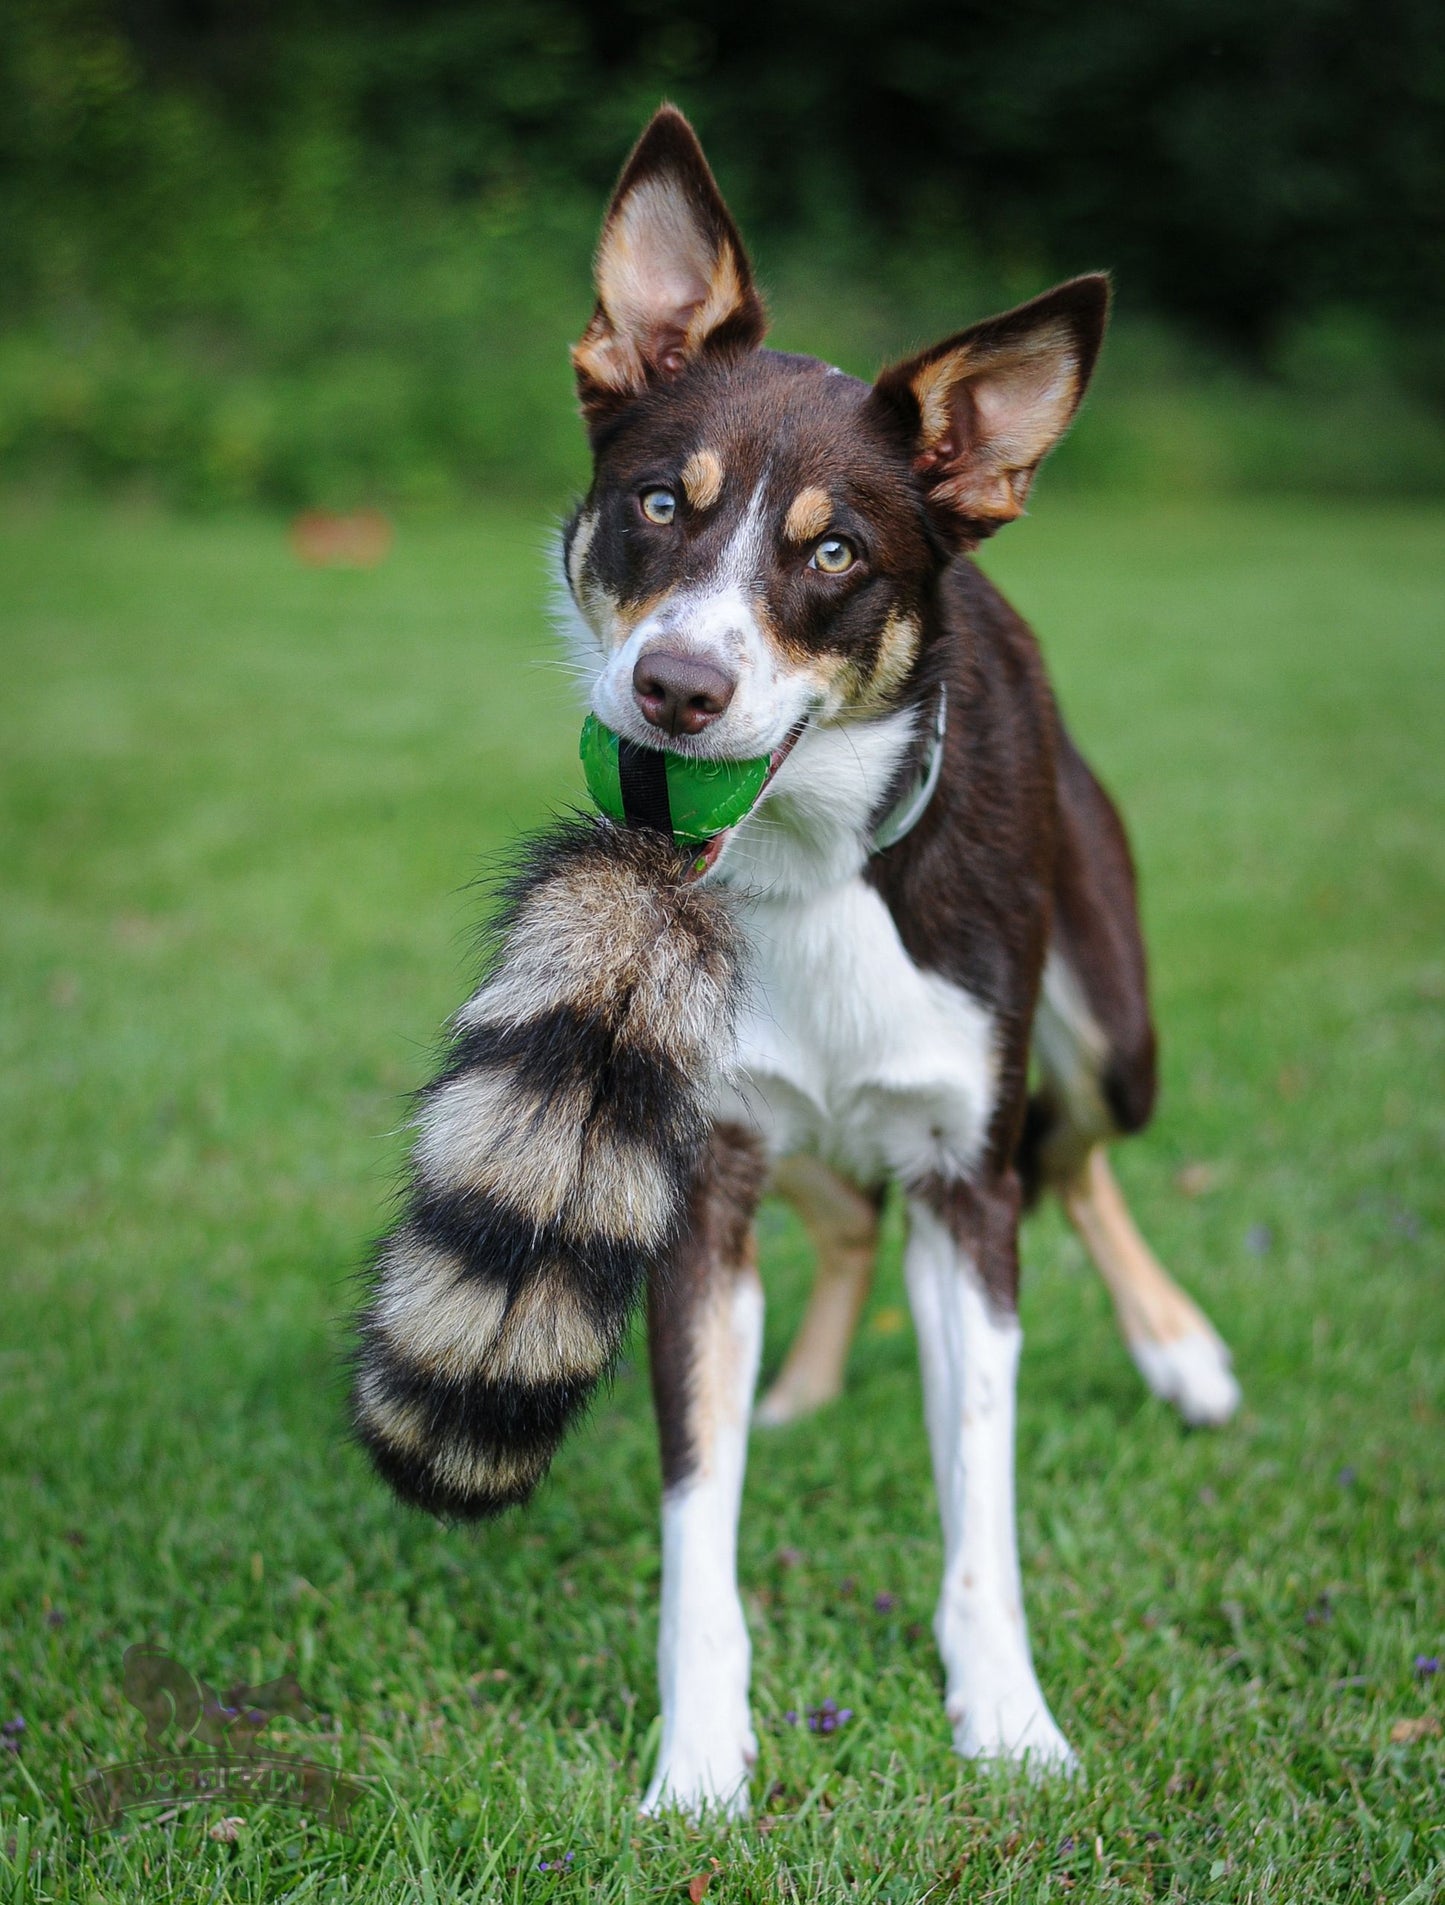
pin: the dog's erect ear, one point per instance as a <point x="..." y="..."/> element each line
<point x="672" y="277"/>
<point x="983" y="409"/>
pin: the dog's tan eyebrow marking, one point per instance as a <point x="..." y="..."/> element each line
<point x="702" y="478"/>
<point x="809" y="514"/>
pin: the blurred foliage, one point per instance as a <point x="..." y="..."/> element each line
<point x="319" y="251"/>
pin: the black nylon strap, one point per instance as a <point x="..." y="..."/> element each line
<point x="642" y="772"/>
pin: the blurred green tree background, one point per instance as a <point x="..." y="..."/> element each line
<point x="334" y="250"/>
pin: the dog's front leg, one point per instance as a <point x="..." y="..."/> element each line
<point x="705" y="1326"/>
<point x="961" y="1268"/>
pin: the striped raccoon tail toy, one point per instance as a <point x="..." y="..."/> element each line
<point x="552" y="1166"/>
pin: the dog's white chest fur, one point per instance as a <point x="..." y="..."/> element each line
<point x="850" y="1051"/>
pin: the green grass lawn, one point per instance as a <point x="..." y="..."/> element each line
<point x="243" y="808"/>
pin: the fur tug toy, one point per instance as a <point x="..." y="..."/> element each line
<point x="552" y="1165"/>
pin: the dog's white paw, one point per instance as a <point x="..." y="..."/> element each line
<point x="1016" y="1730"/>
<point x="705" y="1773"/>
<point x="1193" y="1374"/>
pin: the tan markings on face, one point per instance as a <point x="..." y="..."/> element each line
<point x="849" y="693"/>
<point x="809" y="514"/>
<point x="702" y="478"/>
<point x="548" y="1337"/>
<point x="897" y="652"/>
<point x="831" y="677"/>
<point x="610" y="618"/>
<point x="577" y="554"/>
<point x="624" y="617"/>
<point x="600" y="608"/>
<point x="828" y="675"/>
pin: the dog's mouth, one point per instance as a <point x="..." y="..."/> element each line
<point x="707" y="855"/>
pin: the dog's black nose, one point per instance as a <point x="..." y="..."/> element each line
<point x="681" y="694"/>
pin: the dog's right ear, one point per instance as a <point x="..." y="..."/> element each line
<point x="673" y="280"/>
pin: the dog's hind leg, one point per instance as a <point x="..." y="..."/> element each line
<point x="1174" y="1345"/>
<point x="1095" y="1049"/>
<point x="842" y="1226"/>
<point x="705" y="1328"/>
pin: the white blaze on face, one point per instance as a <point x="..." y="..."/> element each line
<point x="716" y="618"/>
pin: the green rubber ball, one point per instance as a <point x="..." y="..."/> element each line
<point x="705" y="797"/>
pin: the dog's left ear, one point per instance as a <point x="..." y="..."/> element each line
<point x="984" y="408"/>
<point x="672" y="277"/>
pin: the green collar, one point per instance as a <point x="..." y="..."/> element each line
<point x="906" y="812"/>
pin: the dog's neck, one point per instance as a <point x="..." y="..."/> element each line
<point x="815" y="828"/>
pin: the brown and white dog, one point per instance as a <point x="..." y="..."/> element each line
<point x="772" y="558"/>
<point x="932" y="893"/>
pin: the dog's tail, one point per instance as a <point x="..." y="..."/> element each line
<point x="553" y="1162"/>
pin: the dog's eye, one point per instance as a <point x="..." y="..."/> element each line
<point x="834" y="555"/>
<point x="659" y="506"/>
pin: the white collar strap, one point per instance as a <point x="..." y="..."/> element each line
<point x="906" y="812"/>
